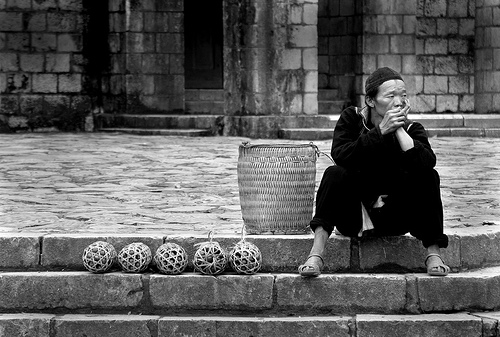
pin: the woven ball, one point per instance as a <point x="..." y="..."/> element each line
<point x="99" y="257"/>
<point x="210" y="258"/>
<point x="134" y="258"/>
<point x="171" y="259"/>
<point x="245" y="258"/>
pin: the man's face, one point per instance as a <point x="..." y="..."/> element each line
<point x="391" y="95"/>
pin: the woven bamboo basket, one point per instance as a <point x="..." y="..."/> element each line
<point x="276" y="185"/>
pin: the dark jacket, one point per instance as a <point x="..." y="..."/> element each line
<point x="358" y="145"/>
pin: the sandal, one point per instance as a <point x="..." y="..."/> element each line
<point x="437" y="269"/>
<point x="308" y="270"/>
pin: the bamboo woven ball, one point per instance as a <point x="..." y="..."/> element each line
<point x="134" y="258"/>
<point x="171" y="259"/>
<point x="245" y="258"/>
<point x="99" y="257"/>
<point x="210" y="258"/>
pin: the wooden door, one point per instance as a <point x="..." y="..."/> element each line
<point x="203" y="44"/>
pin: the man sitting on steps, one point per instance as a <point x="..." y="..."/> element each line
<point x="384" y="182"/>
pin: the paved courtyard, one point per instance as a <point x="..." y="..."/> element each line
<point x="120" y="183"/>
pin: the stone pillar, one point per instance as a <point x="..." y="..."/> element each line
<point x="487" y="57"/>
<point x="270" y="56"/>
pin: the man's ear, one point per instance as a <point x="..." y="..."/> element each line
<point x="369" y="101"/>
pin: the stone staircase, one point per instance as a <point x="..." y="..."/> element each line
<point x="369" y="287"/>
<point x="440" y="125"/>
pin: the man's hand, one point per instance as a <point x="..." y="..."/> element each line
<point x="394" y="119"/>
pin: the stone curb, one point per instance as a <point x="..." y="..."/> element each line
<point x="468" y="249"/>
<point x="439" y="325"/>
<point x="269" y="294"/>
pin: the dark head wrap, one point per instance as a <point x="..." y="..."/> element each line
<point x="378" y="77"/>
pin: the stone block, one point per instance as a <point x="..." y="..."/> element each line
<point x="458" y="8"/>
<point x="311" y="82"/>
<point x="25" y="324"/>
<point x="69" y="43"/>
<point x="466" y="103"/>
<point x="19" y="251"/>
<point x="479" y="248"/>
<point x="402" y="253"/>
<point x="418" y="325"/>
<point x="376" y="44"/>
<point x="389" y="24"/>
<point x="436" y="46"/>
<point x="9" y="62"/>
<point x="291" y="59"/>
<point x="169" y="43"/>
<point x="69" y="83"/>
<point x="57" y="63"/>
<point x="31" y="62"/>
<point x="20" y="82"/>
<point x="310" y="104"/>
<point x="458" y="46"/>
<point x="284" y="326"/>
<point x="436" y="8"/>
<point x="105" y="325"/>
<point x="446" y="27"/>
<point x="460" y="292"/>
<point x="11" y="22"/>
<point x="426" y="27"/>
<point x="65" y="250"/>
<point x="402" y="44"/>
<point x="446" y="103"/>
<point x="61" y="22"/>
<point x="435" y="84"/>
<point x="303" y="36"/>
<point x="18" y="41"/>
<point x="310" y="14"/>
<point x="41" y="42"/>
<point x="71" y="5"/>
<point x="44" y="4"/>
<point x="391" y="61"/>
<point x="342" y="293"/>
<point x="188" y="326"/>
<point x="458" y="84"/>
<point x="223" y="292"/>
<point x="44" y="83"/>
<point x="69" y="290"/>
<point x="37" y="22"/>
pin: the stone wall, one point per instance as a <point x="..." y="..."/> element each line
<point x="340" y="24"/>
<point x="431" y="43"/>
<point x="147" y="57"/>
<point x="42" y="62"/>
<point x="271" y="57"/>
<point x="487" y="83"/>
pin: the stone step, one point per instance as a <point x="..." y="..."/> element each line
<point x="260" y="294"/>
<point x="161" y="132"/>
<point x="331" y="107"/>
<point x="280" y="253"/>
<point x="156" y="121"/>
<point x="436" y="325"/>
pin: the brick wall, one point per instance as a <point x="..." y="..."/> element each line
<point x="147" y="57"/>
<point x="339" y="30"/>
<point x="487" y="79"/>
<point x="42" y="65"/>
<point x="431" y="42"/>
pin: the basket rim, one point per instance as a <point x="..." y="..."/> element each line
<point x="248" y="145"/>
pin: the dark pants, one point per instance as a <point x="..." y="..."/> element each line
<point x="413" y="204"/>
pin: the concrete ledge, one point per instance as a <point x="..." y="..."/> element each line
<point x="363" y="325"/>
<point x="469" y="248"/>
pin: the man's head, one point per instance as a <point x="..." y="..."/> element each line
<point x="385" y="90"/>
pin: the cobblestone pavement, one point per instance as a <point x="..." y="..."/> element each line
<point x="120" y="183"/>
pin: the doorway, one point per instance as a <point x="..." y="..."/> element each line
<point x="203" y="33"/>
